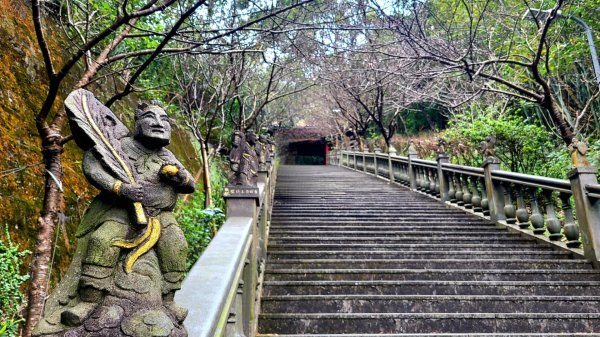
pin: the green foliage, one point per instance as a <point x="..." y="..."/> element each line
<point x="201" y="224"/>
<point x="423" y="117"/>
<point x="11" y="260"/>
<point x="520" y="146"/>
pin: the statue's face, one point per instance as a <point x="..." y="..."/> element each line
<point x="251" y="137"/>
<point x="152" y="127"/>
<point x="235" y="166"/>
<point x="237" y="139"/>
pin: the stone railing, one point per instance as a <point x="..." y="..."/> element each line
<point x="537" y="206"/>
<point x="222" y="290"/>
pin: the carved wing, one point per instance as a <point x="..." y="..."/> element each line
<point x="94" y="126"/>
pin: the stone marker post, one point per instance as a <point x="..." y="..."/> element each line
<point x="495" y="192"/>
<point x="242" y="201"/>
<point x="588" y="211"/>
<point x="443" y="179"/>
<point x="391" y="153"/>
<point x="412" y="154"/>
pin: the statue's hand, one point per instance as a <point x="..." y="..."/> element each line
<point x="172" y="172"/>
<point x="132" y="192"/>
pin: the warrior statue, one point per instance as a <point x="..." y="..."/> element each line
<point x="487" y="147"/>
<point x="243" y="161"/>
<point x="272" y="149"/>
<point x="412" y="150"/>
<point x="441" y="146"/>
<point x="265" y="153"/>
<point x="131" y="253"/>
<point x="578" y="151"/>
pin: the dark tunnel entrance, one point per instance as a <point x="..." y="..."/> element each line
<point x="308" y="152"/>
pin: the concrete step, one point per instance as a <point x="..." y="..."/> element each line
<point x="467" y="263"/>
<point x="352" y="256"/>
<point x="401" y="233"/>
<point x="553" y="334"/>
<point x="531" y="275"/>
<point x="431" y="323"/>
<point x="434" y="287"/>
<point x="378" y="227"/>
<point x="428" y="303"/>
<point x="433" y="240"/>
<point x="375" y="222"/>
<point x="518" y="245"/>
<point x="402" y="254"/>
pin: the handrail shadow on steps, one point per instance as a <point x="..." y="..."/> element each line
<point x="222" y="290"/>
<point x="511" y="200"/>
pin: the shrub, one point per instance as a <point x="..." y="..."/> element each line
<point x="199" y="227"/>
<point x="10" y="286"/>
<point x="201" y="224"/>
<point x="520" y="145"/>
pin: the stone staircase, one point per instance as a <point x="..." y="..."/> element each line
<point x="351" y="255"/>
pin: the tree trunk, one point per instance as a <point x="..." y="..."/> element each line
<point x="208" y="202"/>
<point x="40" y="264"/>
<point x="566" y="132"/>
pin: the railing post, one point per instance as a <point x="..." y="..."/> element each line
<point x="364" y="159"/>
<point x="242" y="201"/>
<point x="588" y="213"/>
<point x="494" y="191"/>
<point x="412" y="154"/>
<point x="376" y="151"/>
<point x="442" y="179"/>
<point x="263" y="177"/>
<point x="391" y="152"/>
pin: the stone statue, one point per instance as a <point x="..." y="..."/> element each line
<point x="262" y="152"/>
<point x="412" y="150"/>
<point x="272" y="149"/>
<point x="243" y="160"/>
<point x="578" y="151"/>
<point x="441" y="146"/>
<point x="129" y="260"/>
<point x="487" y="148"/>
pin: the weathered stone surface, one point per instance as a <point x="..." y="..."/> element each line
<point x="351" y="255"/>
<point x="130" y="257"/>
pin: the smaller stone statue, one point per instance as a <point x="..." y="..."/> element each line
<point x="487" y="148"/>
<point x="412" y="150"/>
<point x="243" y="161"/>
<point x="263" y="152"/>
<point x="578" y="151"/>
<point x="441" y="146"/>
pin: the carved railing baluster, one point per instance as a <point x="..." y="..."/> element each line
<point x="467" y="196"/>
<point x="570" y="228"/>
<point x="485" y="203"/>
<point x="536" y="218"/>
<point x="432" y="181"/>
<point x="552" y="222"/>
<point x="509" y="207"/>
<point x="451" y="189"/>
<point x="459" y="190"/>
<point x="436" y="185"/>
<point x="425" y="181"/>
<point x="522" y="214"/>
<point x="476" y="198"/>
<point x="428" y="180"/>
